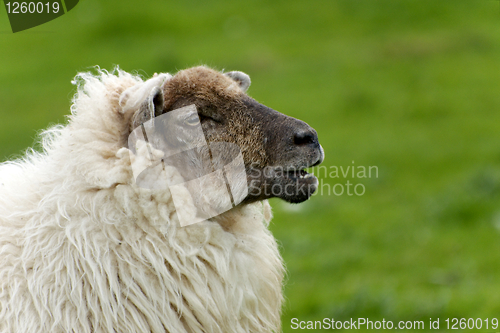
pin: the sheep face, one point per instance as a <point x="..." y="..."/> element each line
<point x="276" y="148"/>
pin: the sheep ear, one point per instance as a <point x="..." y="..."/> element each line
<point x="156" y="102"/>
<point x="241" y="78"/>
<point x="150" y="108"/>
<point x="144" y="99"/>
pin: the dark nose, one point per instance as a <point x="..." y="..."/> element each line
<point x="305" y="137"/>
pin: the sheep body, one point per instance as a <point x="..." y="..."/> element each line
<point x="83" y="249"/>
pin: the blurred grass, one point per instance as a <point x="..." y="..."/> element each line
<point x="409" y="86"/>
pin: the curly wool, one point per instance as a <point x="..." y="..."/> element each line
<point x="83" y="249"/>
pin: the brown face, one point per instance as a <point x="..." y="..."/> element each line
<point x="276" y="148"/>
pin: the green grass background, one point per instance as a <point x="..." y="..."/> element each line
<point x="409" y="86"/>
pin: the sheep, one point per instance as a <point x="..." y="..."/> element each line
<point x="84" y="247"/>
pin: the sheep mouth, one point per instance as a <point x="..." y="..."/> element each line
<point x="296" y="185"/>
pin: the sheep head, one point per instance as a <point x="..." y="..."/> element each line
<point x="276" y="148"/>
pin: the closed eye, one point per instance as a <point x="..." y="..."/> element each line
<point x="192" y="120"/>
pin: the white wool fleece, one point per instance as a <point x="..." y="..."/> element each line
<point x="83" y="249"/>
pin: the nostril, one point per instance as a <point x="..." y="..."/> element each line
<point x="304" y="138"/>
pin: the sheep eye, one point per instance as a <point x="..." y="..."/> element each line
<point x="193" y="120"/>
